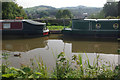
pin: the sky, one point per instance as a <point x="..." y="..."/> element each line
<point x="62" y="3"/>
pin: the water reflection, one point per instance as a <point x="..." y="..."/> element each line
<point x="88" y="45"/>
<point x="49" y="47"/>
<point x="23" y="45"/>
<point x="93" y="45"/>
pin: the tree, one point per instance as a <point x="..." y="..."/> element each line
<point x="59" y="14"/>
<point x="11" y="10"/>
<point x="43" y="14"/>
<point x="111" y="9"/>
<point x="119" y="8"/>
<point x="99" y="15"/>
<point x="67" y="14"/>
<point x="64" y="14"/>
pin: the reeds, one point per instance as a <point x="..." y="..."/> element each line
<point x="65" y="68"/>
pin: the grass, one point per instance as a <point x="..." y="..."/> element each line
<point x="56" y="27"/>
<point x="65" y="68"/>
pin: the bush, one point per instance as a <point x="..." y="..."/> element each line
<point x="55" y="27"/>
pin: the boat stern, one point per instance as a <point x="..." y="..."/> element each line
<point x="45" y="32"/>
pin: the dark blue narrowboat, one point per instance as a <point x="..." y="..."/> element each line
<point x="94" y="27"/>
<point x="21" y="27"/>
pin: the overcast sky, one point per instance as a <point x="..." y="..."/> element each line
<point x="62" y="3"/>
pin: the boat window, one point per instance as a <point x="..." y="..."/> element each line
<point x="6" y="25"/>
<point x="98" y="26"/>
<point x="115" y="26"/>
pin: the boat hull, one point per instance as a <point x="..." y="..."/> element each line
<point x="91" y="33"/>
<point x="24" y="32"/>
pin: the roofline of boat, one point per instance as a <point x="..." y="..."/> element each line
<point x="26" y="20"/>
<point x="99" y="19"/>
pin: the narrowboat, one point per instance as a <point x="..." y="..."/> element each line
<point x="21" y="27"/>
<point x="94" y="27"/>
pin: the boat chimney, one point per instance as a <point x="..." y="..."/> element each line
<point x="85" y="15"/>
<point x="19" y="18"/>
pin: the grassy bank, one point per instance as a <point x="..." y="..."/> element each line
<point x="56" y="27"/>
<point x="65" y="68"/>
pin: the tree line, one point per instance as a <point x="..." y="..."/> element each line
<point x="11" y="10"/>
<point x="64" y="14"/>
<point x="110" y="10"/>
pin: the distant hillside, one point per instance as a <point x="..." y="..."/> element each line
<point x="39" y="8"/>
<point x="79" y="10"/>
<point x="40" y="11"/>
<point x="48" y="11"/>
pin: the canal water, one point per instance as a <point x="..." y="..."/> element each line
<point x="47" y="48"/>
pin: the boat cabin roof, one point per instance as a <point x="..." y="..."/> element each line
<point x="102" y="19"/>
<point x="34" y="22"/>
<point x="98" y="19"/>
<point x="28" y="21"/>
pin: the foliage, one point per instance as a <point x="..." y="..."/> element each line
<point x="84" y="70"/>
<point x="56" y="27"/>
<point x="40" y="12"/>
<point x="36" y="71"/>
<point x="67" y="14"/>
<point x="59" y="14"/>
<point x="56" y="22"/>
<point x="112" y="17"/>
<point x="64" y="14"/>
<point x="65" y="68"/>
<point x="70" y="24"/>
<point x="119" y="8"/>
<point x="99" y="15"/>
<point x="5" y="55"/>
<point x="34" y="12"/>
<point x="111" y="9"/>
<point x="11" y="10"/>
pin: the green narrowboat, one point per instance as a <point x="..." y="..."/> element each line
<point x="94" y="27"/>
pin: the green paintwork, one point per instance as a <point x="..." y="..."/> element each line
<point x="80" y="24"/>
<point x="105" y="25"/>
<point x="90" y="28"/>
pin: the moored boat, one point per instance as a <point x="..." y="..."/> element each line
<point x="94" y="27"/>
<point x="21" y="27"/>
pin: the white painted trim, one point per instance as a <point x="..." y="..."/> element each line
<point x="45" y="31"/>
<point x="102" y="19"/>
<point x="29" y="21"/>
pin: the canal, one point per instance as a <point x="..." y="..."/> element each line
<point x="22" y="49"/>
